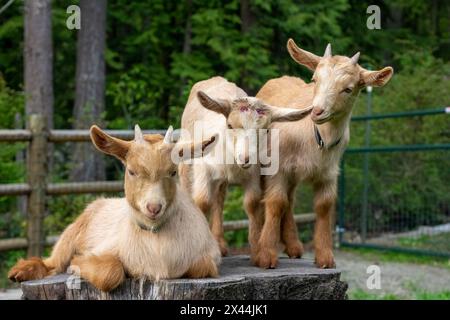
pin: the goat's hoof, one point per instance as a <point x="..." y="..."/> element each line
<point x="325" y="260"/>
<point x="266" y="259"/>
<point x="223" y="247"/>
<point x="223" y="251"/>
<point x="294" y="250"/>
<point x="30" y="269"/>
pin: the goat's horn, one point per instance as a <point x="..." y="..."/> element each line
<point x="327" y="53"/>
<point x="138" y="136"/>
<point x="168" y="136"/>
<point x="354" y="59"/>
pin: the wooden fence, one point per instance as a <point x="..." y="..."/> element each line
<point x="38" y="188"/>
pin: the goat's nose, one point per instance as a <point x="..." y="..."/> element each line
<point x="244" y="159"/>
<point x="317" y="111"/>
<point x="153" y="209"/>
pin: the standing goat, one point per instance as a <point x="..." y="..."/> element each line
<point x="310" y="149"/>
<point x="155" y="232"/>
<point x="218" y="106"/>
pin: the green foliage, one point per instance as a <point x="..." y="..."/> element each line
<point x="233" y="210"/>
<point x="11" y="105"/>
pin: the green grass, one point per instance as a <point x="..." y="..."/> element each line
<point x="438" y="242"/>
<point x="390" y="256"/>
<point x="360" y="294"/>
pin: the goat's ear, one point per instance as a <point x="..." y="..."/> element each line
<point x="375" y="78"/>
<point x="191" y="150"/>
<point x="216" y="105"/>
<point x="303" y="57"/>
<point x="288" y="114"/>
<point x="109" y="145"/>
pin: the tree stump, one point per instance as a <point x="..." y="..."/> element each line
<point x="294" y="279"/>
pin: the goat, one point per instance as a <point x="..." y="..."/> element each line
<point x="311" y="149"/>
<point x="155" y="231"/>
<point x="220" y="107"/>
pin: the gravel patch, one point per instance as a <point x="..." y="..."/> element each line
<point x="10" y="294"/>
<point x="404" y="280"/>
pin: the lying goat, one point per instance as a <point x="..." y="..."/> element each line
<point x="155" y="232"/>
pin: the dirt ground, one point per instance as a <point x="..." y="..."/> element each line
<point x="403" y="280"/>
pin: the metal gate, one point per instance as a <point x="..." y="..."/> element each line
<point x="397" y="197"/>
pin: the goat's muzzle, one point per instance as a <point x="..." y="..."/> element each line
<point x="153" y="210"/>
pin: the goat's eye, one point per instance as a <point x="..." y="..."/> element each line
<point x="347" y="90"/>
<point x="173" y="173"/>
<point x="260" y="111"/>
<point x="229" y="126"/>
<point x="131" y="173"/>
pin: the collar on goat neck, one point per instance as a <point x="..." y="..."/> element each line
<point x="326" y="137"/>
<point x="321" y="143"/>
<point x="153" y="229"/>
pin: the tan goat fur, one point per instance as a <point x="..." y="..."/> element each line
<point x="220" y="105"/>
<point x="113" y="237"/>
<point x="336" y="83"/>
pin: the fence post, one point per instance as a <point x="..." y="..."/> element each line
<point x="37" y="169"/>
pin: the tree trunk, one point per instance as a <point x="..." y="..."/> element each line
<point x="90" y="87"/>
<point x="247" y="21"/>
<point x="38" y="55"/>
<point x="187" y="43"/>
<point x="38" y="78"/>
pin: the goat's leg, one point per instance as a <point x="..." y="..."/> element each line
<point x="254" y="209"/>
<point x="276" y="204"/>
<point x="202" y="189"/>
<point x="324" y="206"/>
<point x="29" y="269"/>
<point x="216" y="219"/>
<point x="105" y="271"/>
<point x="38" y="268"/>
<point x="289" y="232"/>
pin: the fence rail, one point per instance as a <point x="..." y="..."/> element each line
<point x="56" y="136"/>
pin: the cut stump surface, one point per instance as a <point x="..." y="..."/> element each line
<point x="293" y="279"/>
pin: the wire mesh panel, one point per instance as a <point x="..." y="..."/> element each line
<point x="398" y="199"/>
